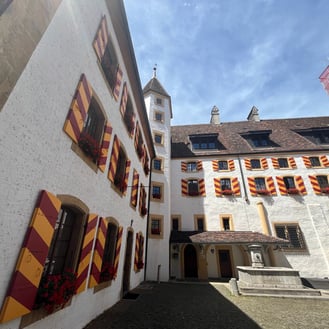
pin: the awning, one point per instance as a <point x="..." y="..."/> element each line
<point x="224" y="237"/>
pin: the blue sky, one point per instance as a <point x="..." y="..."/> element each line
<point x="234" y="54"/>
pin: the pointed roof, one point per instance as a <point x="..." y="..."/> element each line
<point x="155" y="86"/>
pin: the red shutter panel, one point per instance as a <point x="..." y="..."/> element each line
<point x="136" y="253"/>
<point x="247" y="164"/>
<point x="183" y="166"/>
<point x="215" y="165"/>
<point x="231" y="165"/>
<point x="116" y="90"/>
<point x="300" y="184"/>
<point x="105" y="146"/>
<point x="202" y="187"/>
<point x="134" y="189"/>
<point x="184" y="187"/>
<point x="114" y="159"/>
<point x="86" y="252"/>
<point x="235" y="186"/>
<point x="275" y="163"/>
<point x="252" y="186"/>
<point x="125" y="182"/>
<point x="218" y="191"/>
<point x="270" y="185"/>
<point x="117" y="251"/>
<point x="78" y="110"/>
<point x="136" y="137"/>
<point x="324" y="161"/>
<point x="307" y="162"/>
<point x="315" y="184"/>
<point x="264" y="163"/>
<point x="96" y="267"/>
<point x="101" y="39"/>
<point x="199" y="165"/>
<point x="26" y="278"/>
<point x="282" y="185"/>
<point x="292" y="163"/>
<point x="124" y="100"/>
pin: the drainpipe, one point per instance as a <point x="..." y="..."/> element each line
<point x="243" y="181"/>
<point x="148" y="217"/>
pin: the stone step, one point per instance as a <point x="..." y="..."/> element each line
<point x="279" y="291"/>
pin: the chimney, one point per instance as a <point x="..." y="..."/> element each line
<point x="253" y="114"/>
<point x="215" y="116"/>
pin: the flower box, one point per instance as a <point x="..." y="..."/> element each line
<point x="156" y="196"/>
<point x="227" y="192"/>
<point x="55" y="291"/>
<point x="325" y="190"/>
<point x="89" y="146"/>
<point x="140" y="264"/>
<point x="155" y="231"/>
<point x="293" y="191"/>
<point x="193" y="193"/>
<point x="263" y="192"/>
<point x="107" y="273"/>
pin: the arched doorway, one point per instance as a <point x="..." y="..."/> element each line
<point x="190" y="262"/>
<point x="127" y="264"/>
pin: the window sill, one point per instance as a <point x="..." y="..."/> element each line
<point x="77" y="150"/>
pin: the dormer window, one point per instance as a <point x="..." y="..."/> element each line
<point x="316" y="135"/>
<point x="205" y="142"/>
<point x="259" y="139"/>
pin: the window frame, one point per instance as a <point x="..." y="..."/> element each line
<point x="222" y="162"/>
<point x="161" y="164"/>
<point x="252" y="164"/>
<point x="159" y="218"/>
<point x="192" y="166"/>
<point x="160" y="135"/>
<point x="287" y="236"/>
<point x="286" y="162"/>
<point x="195" y="191"/>
<point x="316" y="159"/>
<point x="229" y="218"/>
<point x="155" y="197"/>
<point x="179" y="222"/>
<point x="158" y="113"/>
<point x="197" y="219"/>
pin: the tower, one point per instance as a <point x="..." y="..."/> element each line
<point x="158" y="107"/>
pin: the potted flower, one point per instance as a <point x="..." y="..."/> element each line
<point x="227" y="192"/>
<point x="107" y="272"/>
<point x="292" y="190"/>
<point x="155" y="231"/>
<point x="193" y="193"/>
<point x="89" y="146"/>
<point x="325" y="190"/>
<point x="56" y="290"/>
<point x="140" y="264"/>
<point x="263" y="192"/>
<point x="156" y="196"/>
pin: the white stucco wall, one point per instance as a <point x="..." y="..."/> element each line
<point x="36" y="153"/>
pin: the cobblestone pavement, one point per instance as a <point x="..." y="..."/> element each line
<point x="208" y="306"/>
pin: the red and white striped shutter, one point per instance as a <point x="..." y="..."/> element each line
<point x="281" y="185"/>
<point x="300" y="184"/>
<point x="78" y="110"/>
<point x="264" y="163"/>
<point x="252" y="186"/>
<point x="270" y="185"/>
<point x="199" y="165"/>
<point x="116" y="89"/>
<point x="307" y="161"/>
<point x="105" y="146"/>
<point x="292" y="163"/>
<point x="315" y="184"/>
<point x="231" y="165"/>
<point x="202" y="187"/>
<point x="324" y="161"/>
<point x="215" y="165"/>
<point x="247" y="164"/>
<point x="236" y="186"/>
<point x="124" y="99"/>
<point x="184" y="187"/>
<point x="85" y="256"/>
<point x="101" y="39"/>
<point x="114" y="159"/>
<point x="218" y="191"/>
<point x="136" y="136"/>
<point x="124" y="191"/>
<point x="26" y="278"/>
<point x="275" y="163"/>
<point x="183" y="166"/>
<point x="134" y="189"/>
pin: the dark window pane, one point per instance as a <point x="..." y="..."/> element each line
<point x="175" y="225"/>
<point x="222" y="165"/>
<point x="255" y="163"/>
<point x="200" y="224"/>
<point x="323" y="181"/>
<point x="157" y="164"/>
<point x="283" y="163"/>
<point x="260" y="183"/>
<point x="191" y="166"/>
<point x="225" y="184"/>
<point x="226" y="224"/>
<point x="289" y="182"/>
<point x="315" y="161"/>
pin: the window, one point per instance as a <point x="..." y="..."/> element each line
<point x="200" y="224"/>
<point x="107" y="270"/>
<point x="129" y="117"/>
<point x="225" y="184"/>
<point x="260" y="184"/>
<point x="258" y="139"/>
<point x="158" y="101"/>
<point x="289" y="182"/>
<point x="222" y="165"/>
<point x="283" y="163"/>
<point x="291" y="232"/>
<point x="142" y="200"/>
<point x="192" y="166"/>
<point x="316" y="135"/>
<point x="315" y="161"/>
<point x="322" y="181"/>
<point x="226" y="223"/>
<point x="205" y="142"/>
<point x="157" y="164"/>
<point x="175" y="224"/>
<point x="119" y="178"/>
<point x="91" y="135"/>
<point x="193" y="187"/>
<point x="158" y="116"/>
<point x="158" y="138"/>
<point x="156" y="226"/>
<point x="157" y="191"/>
<point x="255" y="164"/>
<point x="139" y="252"/>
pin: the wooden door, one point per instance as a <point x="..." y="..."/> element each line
<point x="190" y="262"/>
<point x="225" y="263"/>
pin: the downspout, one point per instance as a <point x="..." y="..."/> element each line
<point x="148" y="216"/>
<point x="243" y="181"/>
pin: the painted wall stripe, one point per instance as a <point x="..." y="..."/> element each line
<point x="292" y="163"/>
<point x="270" y="185"/>
<point x="183" y="166"/>
<point x="124" y="99"/>
<point x="231" y="165"/>
<point x="199" y="165"/>
<point x="105" y="146"/>
<point x="275" y="163"/>
<point x="218" y="191"/>
<point x="86" y="252"/>
<point x="324" y="160"/>
<point x="300" y="185"/>
<point x="247" y="164"/>
<point x="29" y="267"/>
<point x="307" y="161"/>
<point x="263" y="162"/>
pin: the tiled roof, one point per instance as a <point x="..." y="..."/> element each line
<point x="224" y="237"/>
<point x="155" y="85"/>
<point x="283" y="135"/>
